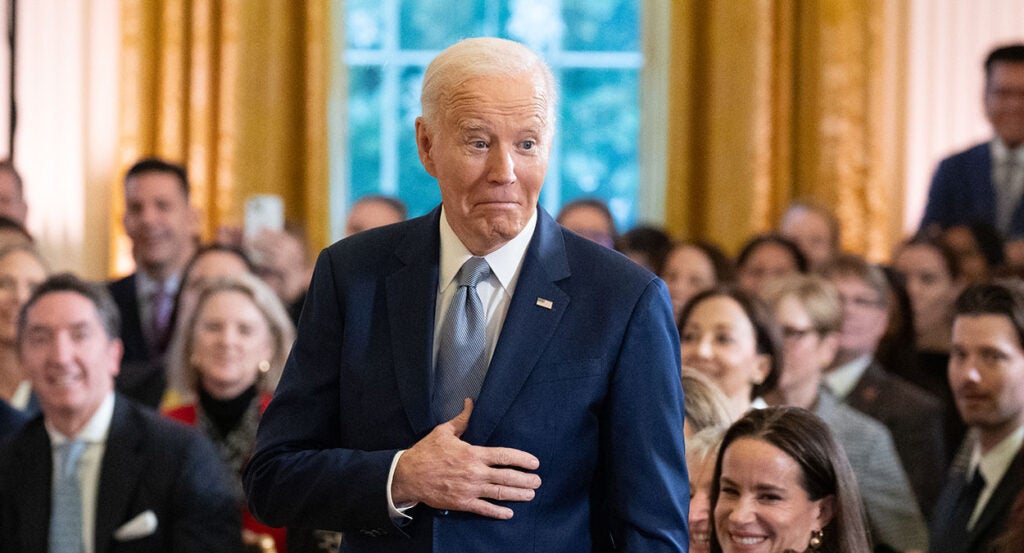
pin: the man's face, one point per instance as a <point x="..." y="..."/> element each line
<point x="489" y="152"/>
<point x="811" y="233"/>
<point x="1004" y="101"/>
<point x="160" y="222"/>
<point x="67" y="355"/>
<point x="370" y="214"/>
<point x="591" y="223"/>
<point x="864" y="315"/>
<point x="986" y="372"/>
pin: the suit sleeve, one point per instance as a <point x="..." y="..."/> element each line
<point x="940" y="199"/>
<point x="300" y="475"/>
<point x="642" y="440"/>
<point x="888" y="500"/>
<point x="207" y="515"/>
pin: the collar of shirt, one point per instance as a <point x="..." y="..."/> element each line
<point x="505" y="262"/>
<point x="146" y="286"/>
<point x="1000" y="152"/>
<point x="95" y="431"/>
<point x="94" y="434"/>
<point x="844" y="378"/>
<point x="993" y="466"/>
<point x="22" y="395"/>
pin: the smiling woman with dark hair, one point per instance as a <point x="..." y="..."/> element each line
<point x="782" y="483"/>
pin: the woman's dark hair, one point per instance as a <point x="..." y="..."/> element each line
<point x="752" y="245"/>
<point x="650" y="241"/>
<point x="725" y="269"/>
<point x="766" y="332"/>
<point x="824" y="471"/>
<point x="939" y="246"/>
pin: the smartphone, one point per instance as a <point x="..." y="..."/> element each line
<point x="263" y="211"/>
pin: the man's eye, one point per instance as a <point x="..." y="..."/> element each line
<point x="528" y="145"/>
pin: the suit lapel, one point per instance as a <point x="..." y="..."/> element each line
<point x="34" y="485"/>
<point x="119" y="473"/>
<point x="527" y="327"/>
<point x="998" y="507"/>
<point x="411" y="295"/>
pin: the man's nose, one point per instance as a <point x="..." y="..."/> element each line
<point x="63" y="348"/>
<point x="501" y="165"/>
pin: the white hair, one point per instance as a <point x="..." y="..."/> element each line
<point x="481" y="57"/>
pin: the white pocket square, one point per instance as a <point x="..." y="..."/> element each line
<point x="144" y="524"/>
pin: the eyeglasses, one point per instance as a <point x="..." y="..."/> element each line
<point x="863" y="302"/>
<point x="795" y="334"/>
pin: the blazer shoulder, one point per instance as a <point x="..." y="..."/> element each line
<point x="602" y="266"/>
<point x="160" y="433"/>
<point x="972" y="154"/>
<point x="382" y="244"/>
<point x="907" y="395"/>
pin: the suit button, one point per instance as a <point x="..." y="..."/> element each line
<point x="444" y="513"/>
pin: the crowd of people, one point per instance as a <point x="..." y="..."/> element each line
<point x="482" y="378"/>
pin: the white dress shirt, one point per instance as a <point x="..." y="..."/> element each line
<point x="22" y="395"/>
<point x="844" y="378"/>
<point x="495" y="294"/>
<point x="94" y="434"/>
<point x="992" y="465"/>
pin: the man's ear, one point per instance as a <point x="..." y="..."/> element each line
<point x="424" y="144"/>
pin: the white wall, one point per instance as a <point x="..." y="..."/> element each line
<point x="66" y="136"/>
<point x="949" y="40"/>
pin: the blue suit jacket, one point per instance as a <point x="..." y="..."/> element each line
<point x="962" y="193"/>
<point x="590" y="386"/>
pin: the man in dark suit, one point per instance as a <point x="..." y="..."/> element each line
<point x="162" y="226"/>
<point x="11" y="420"/>
<point x="569" y="439"/>
<point x="984" y="183"/>
<point x="95" y="468"/>
<point x="913" y="417"/>
<point x="986" y="373"/>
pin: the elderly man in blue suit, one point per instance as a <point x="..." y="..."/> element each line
<point x="534" y="407"/>
<point x="985" y="182"/>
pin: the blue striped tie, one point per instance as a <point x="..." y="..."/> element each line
<point x="462" y="353"/>
<point x="66" y="511"/>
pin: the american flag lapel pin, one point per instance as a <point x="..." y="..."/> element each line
<point x="546" y="304"/>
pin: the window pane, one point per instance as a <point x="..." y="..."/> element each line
<point x="600" y="129"/>
<point x="364" y="24"/>
<point x="434" y="24"/>
<point x="364" y="111"/>
<point x="596" y="25"/>
<point x="593" y="47"/>
<point x="416" y="188"/>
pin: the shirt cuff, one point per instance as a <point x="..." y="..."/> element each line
<point x="397" y="514"/>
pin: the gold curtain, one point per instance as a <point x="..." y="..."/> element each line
<point x="776" y="100"/>
<point x="237" y="91"/>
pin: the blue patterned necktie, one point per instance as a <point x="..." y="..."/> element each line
<point x="66" y="511"/>
<point x="462" y="353"/>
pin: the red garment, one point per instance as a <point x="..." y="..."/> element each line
<point x="187" y="414"/>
